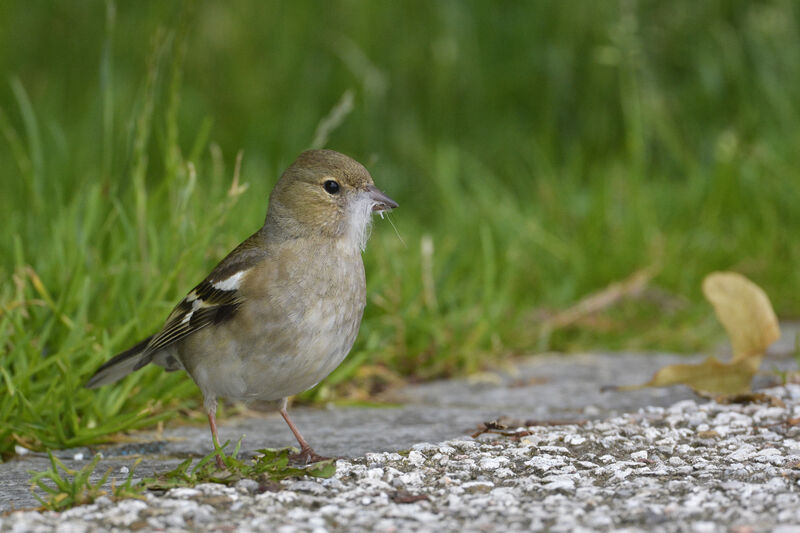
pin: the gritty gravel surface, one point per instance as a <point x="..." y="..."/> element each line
<point x="538" y="388"/>
<point x="691" y="466"/>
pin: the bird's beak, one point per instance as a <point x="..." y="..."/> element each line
<point x="381" y="202"/>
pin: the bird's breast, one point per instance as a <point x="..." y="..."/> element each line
<point x="298" y="323"/>
<point x="307" y="328"/>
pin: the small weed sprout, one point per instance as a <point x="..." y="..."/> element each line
<point x="65" y="488"/>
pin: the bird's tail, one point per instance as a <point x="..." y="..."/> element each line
<point x="119" y="366"/>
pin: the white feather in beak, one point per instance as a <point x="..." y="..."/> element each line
<point x="359" y="216"/>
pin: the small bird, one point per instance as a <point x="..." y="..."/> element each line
<point x="282" y="310"/>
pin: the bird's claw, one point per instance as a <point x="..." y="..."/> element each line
<point x="220" y="462"/>
<point x="306" y="457"/>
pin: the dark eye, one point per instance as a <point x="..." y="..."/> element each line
<point x="331" y="187"/>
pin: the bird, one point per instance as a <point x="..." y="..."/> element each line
<point x="283" y="309"/>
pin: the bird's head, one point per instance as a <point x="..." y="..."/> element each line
<point x="326" y="194"/>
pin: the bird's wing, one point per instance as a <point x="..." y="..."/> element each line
<point x="208" y="303"/>
<point x="214" y="300"/>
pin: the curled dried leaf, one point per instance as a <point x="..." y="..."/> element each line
<point x="744" y="310"/>
<point x="712" y="375"/>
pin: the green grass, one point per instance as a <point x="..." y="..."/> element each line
<point x="61" y="491"/>
<point x="541" y="150"/>
<point x="59" y="488"/>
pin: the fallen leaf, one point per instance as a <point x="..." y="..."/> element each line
<point x="745" y="312"/>
<point x="712" y="375"/>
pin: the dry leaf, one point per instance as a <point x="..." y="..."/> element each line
<point x="746" y="314"/>
<point x="712" y="375"/>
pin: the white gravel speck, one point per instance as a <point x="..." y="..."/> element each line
<point x="416" y="458"/>
<point x="743" y="453"/>
<point x="546" y="462"/>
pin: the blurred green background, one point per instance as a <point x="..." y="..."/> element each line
<point x="540" y="151"/>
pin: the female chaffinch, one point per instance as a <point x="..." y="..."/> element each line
<point x="282" y="310"/>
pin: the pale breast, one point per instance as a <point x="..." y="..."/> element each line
<point x="297" y="328"/>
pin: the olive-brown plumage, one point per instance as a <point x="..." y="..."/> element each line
<point x="283" y="309"/>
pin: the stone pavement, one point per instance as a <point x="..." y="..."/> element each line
<point x="547" y="387"/>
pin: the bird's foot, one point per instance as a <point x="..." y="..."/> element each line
<point x="307" y="456"/>
<point x="220" y="462"/>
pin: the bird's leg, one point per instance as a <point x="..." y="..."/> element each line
<point x="212" y="421"/>
<point x="307" y="454"/>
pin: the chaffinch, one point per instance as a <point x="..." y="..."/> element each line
<point x="282" y="310"/>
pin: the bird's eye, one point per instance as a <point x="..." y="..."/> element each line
<point x="331" y="187"/>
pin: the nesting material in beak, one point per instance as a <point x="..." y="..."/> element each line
<point x="381" y="202"/>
